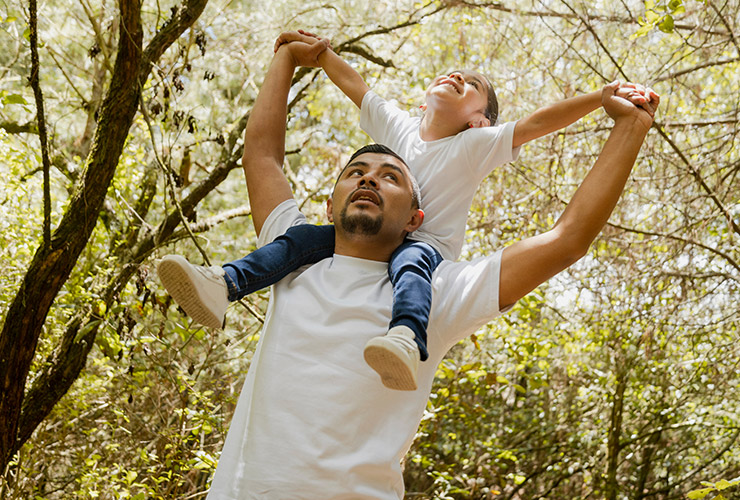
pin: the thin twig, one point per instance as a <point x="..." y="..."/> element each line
<point x="171" y="183"/>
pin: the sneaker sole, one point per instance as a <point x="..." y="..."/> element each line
<point x="179" y="285"/>
<point x="393" y="372"/>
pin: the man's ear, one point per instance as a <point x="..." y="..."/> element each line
<point x="329" y="210"/>
<point x="479" y="121"/>
<point x="417" y="217"/>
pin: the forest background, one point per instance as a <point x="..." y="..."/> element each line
<point x="120" y="141"/>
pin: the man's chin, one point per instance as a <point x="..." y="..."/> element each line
<point x="361" y="223"/>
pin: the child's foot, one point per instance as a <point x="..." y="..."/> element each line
<point x="395" y="356"/>
<point x="201" y="291"/>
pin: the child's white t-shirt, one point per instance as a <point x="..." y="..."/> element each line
<point x="448" y="170"/>
<point x="313" y="420"/>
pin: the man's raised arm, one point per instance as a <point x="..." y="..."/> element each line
<point x="264" y="138"/>
<point x="528" y="263"/>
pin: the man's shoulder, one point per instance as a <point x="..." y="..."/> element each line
<point x="282" y="217"/>
<point x="460" y="278"/>
<point x="464" y="297"/>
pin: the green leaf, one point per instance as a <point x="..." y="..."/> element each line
<point x="14" y="99"/>
<point x="86" y="329"/>
<point x="644" y="30"/>
<point x="694" y="495"/>
<point x="666" y="25"/>
<point x="722" y="484"/>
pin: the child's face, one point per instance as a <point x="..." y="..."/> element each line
<point x="464" y="94"/>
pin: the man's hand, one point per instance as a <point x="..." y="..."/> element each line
<point x="304" y="47"/>
<point x="630" y="100"/>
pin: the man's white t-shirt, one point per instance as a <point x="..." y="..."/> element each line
<point x="313" y="420"/>
<point x="448" y="170"/>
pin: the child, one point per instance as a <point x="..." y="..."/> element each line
<point x="450" y="150"/>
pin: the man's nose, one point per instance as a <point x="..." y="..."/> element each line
<point x="370" y="179"/>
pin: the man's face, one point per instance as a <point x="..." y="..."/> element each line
<point x="373" y="196"/>
<point x="464" y="93"/>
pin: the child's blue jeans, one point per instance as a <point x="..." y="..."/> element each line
<point x="410" y="270"/>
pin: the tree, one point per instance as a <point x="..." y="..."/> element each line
<point x="53" y="262"/>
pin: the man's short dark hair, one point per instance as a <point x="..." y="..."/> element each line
<point x="375" y="148"/>
<point x="385" y="150"/>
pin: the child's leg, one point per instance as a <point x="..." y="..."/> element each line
<point x="300" y="245"/>
<point x="205" y="292"/>
<point x="395" y="356"/>
<point x="410" y="269"/>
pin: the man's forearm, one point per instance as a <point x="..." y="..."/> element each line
<point x="264" y="140"/>
<point x="265" y="132"/>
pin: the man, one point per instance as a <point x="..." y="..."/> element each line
<point x="312" y="420"/>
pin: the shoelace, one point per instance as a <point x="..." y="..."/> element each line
<point x="212" y="272"/>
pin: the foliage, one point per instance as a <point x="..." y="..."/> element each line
<point x="659" y="15"/>
<point x="616" y="379"/>
<point x="723" y="485"/>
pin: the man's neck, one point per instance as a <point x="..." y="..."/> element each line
<point x="364" y="247"/>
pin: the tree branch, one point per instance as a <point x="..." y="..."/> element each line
<point x="698" y="67"/>
<point x="695" y="173"/>
<point x="43" y="137"/>
<point x="713" y="250"/>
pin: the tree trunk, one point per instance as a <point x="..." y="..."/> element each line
<point x="615" y="432"/>
<point x="51" y="266"/>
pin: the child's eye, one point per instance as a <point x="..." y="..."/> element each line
<point x="474" y="84"/>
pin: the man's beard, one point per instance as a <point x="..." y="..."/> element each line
<point x="360" y="223"/>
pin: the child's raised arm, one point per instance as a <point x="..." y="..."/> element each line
<point x="563" y="113"/>
<point x="342" y="74"/>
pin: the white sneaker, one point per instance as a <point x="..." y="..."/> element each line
<point x="395" y="356"/>
<point x="201" y="291"/>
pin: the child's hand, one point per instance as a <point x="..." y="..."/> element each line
<point x="304" y="48"/>
<point x="637" y="94"/>
<point x="629" y="99"/>
<point x="298" y="36"/>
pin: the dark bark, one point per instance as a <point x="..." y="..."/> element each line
<point x="646" y="465"/>
<point x="51" y="266"/>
